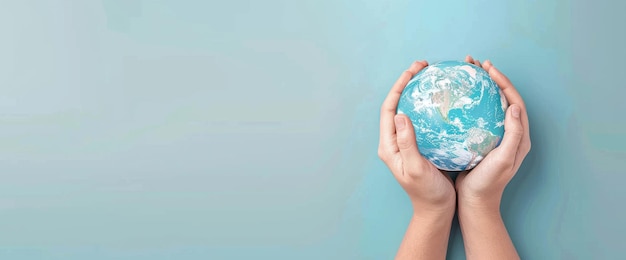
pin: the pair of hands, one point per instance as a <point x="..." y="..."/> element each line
<point x="432" y="190"/>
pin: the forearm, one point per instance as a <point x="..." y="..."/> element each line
<point x="484" y="234"/>
<point x="426" y="237"/>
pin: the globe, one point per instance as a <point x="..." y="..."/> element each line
<point x="457" y="112"/>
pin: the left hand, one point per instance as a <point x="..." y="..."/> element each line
<point x="430" y="190"/>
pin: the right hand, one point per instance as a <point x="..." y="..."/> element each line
<point x="483" y="186"/>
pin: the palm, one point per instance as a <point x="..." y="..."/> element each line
<point x="441" y="186"/>
<point x="427" y="187"/>
<point x="428" y="183"/>
<point x="490" y="176"/>
<point x="483" y="176"/>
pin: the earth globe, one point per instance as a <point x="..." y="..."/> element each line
<point x="457" y="112"/>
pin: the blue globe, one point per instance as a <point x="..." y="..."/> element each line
<point x="457" y="112"/>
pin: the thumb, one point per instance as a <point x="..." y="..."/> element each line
<point x="405" y="133"/>
<point x="513" y="132"/>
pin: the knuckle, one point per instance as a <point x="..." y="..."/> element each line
<point x="385" y="107"/>
<point x="504" y="162"/>
<point x="517" y="133"/>
<point x="388" y="107"/>
<point x="405" y="143"/>
<point x="526" y="147"/>
<point x="418" y="169"/>
<point x="413" y="173"/>
<point x="382" y="154"/>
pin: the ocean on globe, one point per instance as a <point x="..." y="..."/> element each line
<point x="457" y="112"/>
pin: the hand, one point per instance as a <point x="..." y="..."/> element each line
<point x="483" y="186"/>
<point x="429" y="189"/>
<point x="480" y="191"/>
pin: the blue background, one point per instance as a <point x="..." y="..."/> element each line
<point x="237" y="129"/>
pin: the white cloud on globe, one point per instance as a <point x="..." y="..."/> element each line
<point x="481" y="122"/>
<point x="469" y="70"/>
<point x="455" y="109"/>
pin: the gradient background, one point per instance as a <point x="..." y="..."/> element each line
<point x="248" y="129"/>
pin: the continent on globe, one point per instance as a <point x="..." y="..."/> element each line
<point x="457" y="112"/>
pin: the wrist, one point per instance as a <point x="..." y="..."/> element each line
<point x="479" y="206"/>
<point x="433" y="219"/>
<point x="488" y="201"/>
<point x="441" y="206"/>
<point x="433" y="212"/>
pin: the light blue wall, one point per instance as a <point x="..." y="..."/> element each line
<point x="188" y="129"/>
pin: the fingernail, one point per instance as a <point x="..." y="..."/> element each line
<point x="399" y="122"/>
<point x="515" y="111"/>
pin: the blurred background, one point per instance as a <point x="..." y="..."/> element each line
<point x="155" y="129"/>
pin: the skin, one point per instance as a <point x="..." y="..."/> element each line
<point x="480" y="191"/>
<point x="433" y="194"/>
<point x="430" y="190"/>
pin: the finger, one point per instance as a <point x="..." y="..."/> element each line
<point x="477" y="63"/>
<point x="388" y="110"/>
<point x="469" y="59"/>
<point x="511" y="94"/>
<point x="487" y="65"/>
<point x="412" y="160"/>
<point x="509" y="91"/>
<point x="513" y="134"/>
